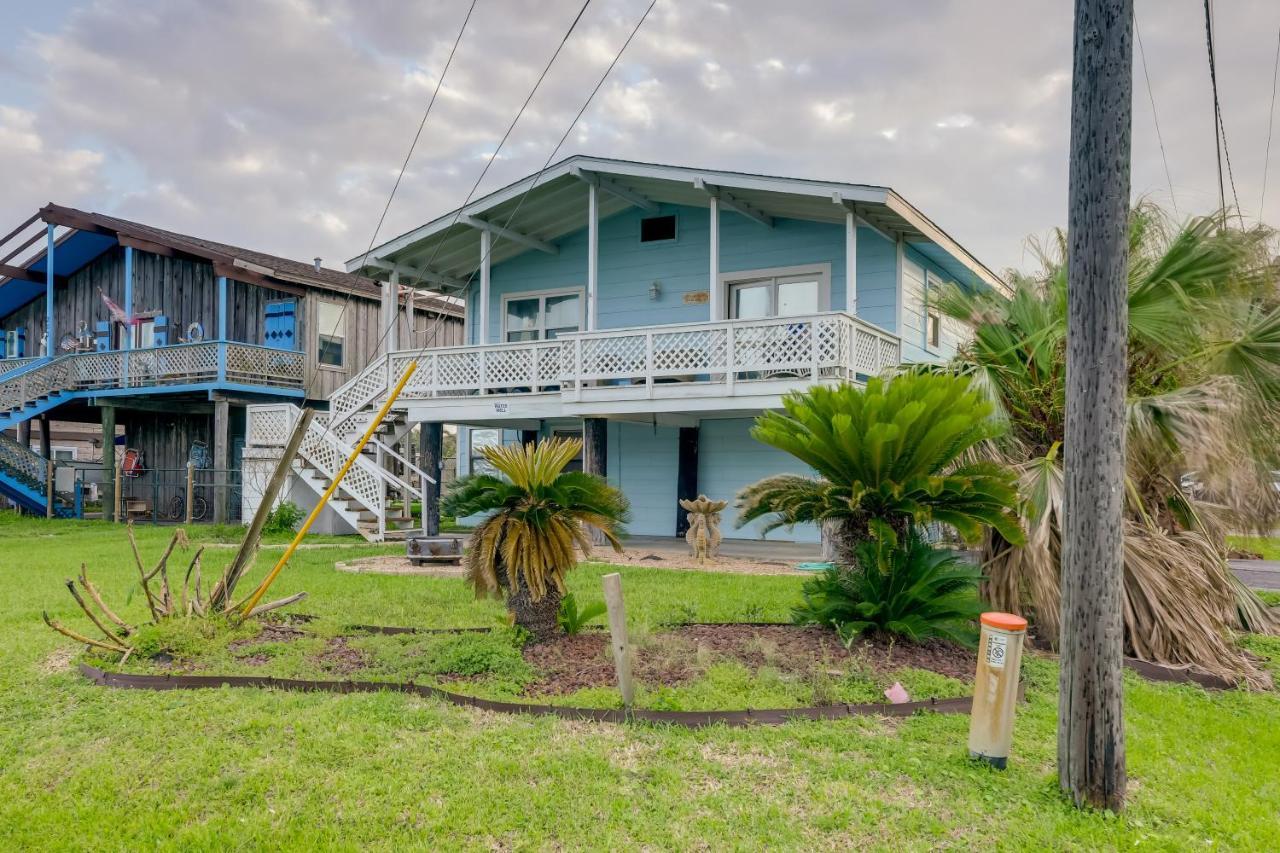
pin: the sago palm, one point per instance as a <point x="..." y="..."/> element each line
<point x="888" y="456"/>
<point x="537" y="513"/>
<point x="1204" y="397"/>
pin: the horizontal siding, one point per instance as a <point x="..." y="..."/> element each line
<point x="730" y="459"/>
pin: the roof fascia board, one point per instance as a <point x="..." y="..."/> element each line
<point x="936" y="235"/>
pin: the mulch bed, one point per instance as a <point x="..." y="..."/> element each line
<point x="681" y="654"/>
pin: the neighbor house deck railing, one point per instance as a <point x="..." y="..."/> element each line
<point x="830" y="345"/>
<point x="182" y="364"/>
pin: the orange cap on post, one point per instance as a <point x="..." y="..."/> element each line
<point x="1004" y="621"/>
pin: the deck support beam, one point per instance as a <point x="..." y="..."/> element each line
<point x="45" y="450"/>
<point x="716" y="288"/>
<point x="686" y="475"/>
<point x="486" y="247"/>
<point x="50" y="340"/>
<point x="593" y="258"/>
<point x="108" y="416"/>
<point x="595" y="456"/>
<point x="128" y="298"/>
<point x="221" y="446"/>
<point x="431" y="460"/>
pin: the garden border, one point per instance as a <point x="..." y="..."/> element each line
<point x="684" y="719"/>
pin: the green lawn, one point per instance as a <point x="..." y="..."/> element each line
<point x="1267" y="546"/>
<point x="86" y="767"/>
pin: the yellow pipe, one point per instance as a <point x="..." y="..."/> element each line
<point x="328" y="493"/>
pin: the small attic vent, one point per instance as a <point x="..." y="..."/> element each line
<point x="655" y="229"/>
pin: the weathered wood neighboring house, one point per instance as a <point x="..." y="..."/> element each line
<point x="164" y="338"/>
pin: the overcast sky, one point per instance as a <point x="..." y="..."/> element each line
<point x="280" y="124"/>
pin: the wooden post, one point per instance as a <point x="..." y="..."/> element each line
<point x="618" y="636"/>
<point x="108" y="416"/>
<point x="118" y="508"/>
<point x="430" y="456"/>
<point x="595" y="456"/>
<point x="1091" y="746"/>
<point x="24" y="434"/>
<point x="45" y="438"/>
<point x="686" y="475"/>
<point x="529" y="436"/>
<point x="48" y="489"/>
<point x="191" y="489"/>
<point x="221" y="445"/>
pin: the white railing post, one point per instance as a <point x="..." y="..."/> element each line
<point x="577" y="368"/>
<point x="648" y="361"/>
<point x="815" y="350"/>
<point x="533" y="366"/>
<point x="483" y="383"/>
<point x="731" y="357"/>
<point x="435" y="374"/>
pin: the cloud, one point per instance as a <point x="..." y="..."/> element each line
<point x="281" y="124"/>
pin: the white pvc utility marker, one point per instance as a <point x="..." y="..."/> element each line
<point x="995" y="689"/>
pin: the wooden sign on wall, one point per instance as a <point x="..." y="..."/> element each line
<point x="697" y="297"/>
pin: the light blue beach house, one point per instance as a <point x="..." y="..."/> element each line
<point x="655" y="311"/>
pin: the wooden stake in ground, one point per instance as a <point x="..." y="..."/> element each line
<point x="618" y="636"/>
<point x="1091" y="754"/>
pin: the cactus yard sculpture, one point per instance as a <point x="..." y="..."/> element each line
<point x="704" y="526"/>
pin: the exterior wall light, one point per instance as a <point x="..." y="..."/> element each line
<point x="655" y="291"/>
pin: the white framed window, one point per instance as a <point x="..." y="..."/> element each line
<point x="779" y="292"/>
<point x="542" y="315"/>
<point x="331" y="334"/>
<point x="933" y="329"/>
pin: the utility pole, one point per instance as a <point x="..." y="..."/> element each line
<point x="1091" y="759"/>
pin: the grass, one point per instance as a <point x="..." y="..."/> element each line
<point x="250" y="769"/>
<point x="1267" y="546"/>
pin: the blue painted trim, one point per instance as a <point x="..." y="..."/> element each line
<point x="79" y="500"/>
<point x="50" y="340"/>
<point x="222" y="310"/>
<point x="222" y="359"/>
<point x="128" y="296"/>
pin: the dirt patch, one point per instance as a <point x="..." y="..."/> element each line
<point x="271" y="632"/>
<point x="682" y="654"/>
<point x="339" y="658"/>
<point x="58" y="660"/>
<point x="398" y="565"/>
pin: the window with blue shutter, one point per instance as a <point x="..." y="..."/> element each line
<point x="280" y="327"/>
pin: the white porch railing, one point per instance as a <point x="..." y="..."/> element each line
<point x="181" y="364"/>
<point x="9" y="365"/>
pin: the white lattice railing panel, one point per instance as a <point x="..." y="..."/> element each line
<point x="254" y="365"/>
<point x="177" y="365"/>
<point x="362" y="389"/>
<point x="22" y="463"/>
<point x="268" y="425"/>
<point x="9" y="365"/>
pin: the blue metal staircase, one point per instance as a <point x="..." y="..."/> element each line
<point x="23" y="474"/>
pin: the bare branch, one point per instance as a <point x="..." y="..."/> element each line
<point x="93" y="617"/>
<point x="283" y="602"/>
<point x="80" y="638"/>
<point x="92" y="590"/>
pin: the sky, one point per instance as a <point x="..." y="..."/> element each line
<point x="280" y="125"/>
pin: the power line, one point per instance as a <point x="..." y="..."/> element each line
<point x="525" y="194"/>
<point x="1155" y="117"/>
<point x="1219" y="127"/>
<point x="403" y="167"/>
<point x="1266" y="163"/>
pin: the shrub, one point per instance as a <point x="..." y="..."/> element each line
<point x="283" y="519"/>
<point x="911" y="591"/>
<point x="573" y="619"/>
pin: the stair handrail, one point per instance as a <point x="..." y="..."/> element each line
<point x="358" y="392"/>
<point x="22" y="461"/>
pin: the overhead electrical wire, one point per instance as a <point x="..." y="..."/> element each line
<point x="1271" y="117"/>
<point x="1219" y="127"/>
<point x="1155" y="117"/>
<point x="403" y="167"/>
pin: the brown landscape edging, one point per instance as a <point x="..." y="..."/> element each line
<point x="686" y="719"/>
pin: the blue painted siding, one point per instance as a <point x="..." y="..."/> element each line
<point x="628" y="267"/>
<point x="729" y="459"/>
<point x="877" y="279"/>
<point x="914" y="342"/>
<point x="643" y="463"/>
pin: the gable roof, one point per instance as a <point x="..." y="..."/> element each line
<point x="91" y="234"/>
<point x="549" y="205"/>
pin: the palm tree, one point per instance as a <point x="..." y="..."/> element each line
<point x="1204" y="389"/>
<point x="887" y="457"/>
<point x="537" y="513"/>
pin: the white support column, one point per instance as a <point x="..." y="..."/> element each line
<point x="716" y="292"/>
<point x="850" y="262"/>
<point x="486" y="243"/>
<point x="393" y="311"/>
<point x="593" y="258"/>
<point x="51" y="244"/>
<point x="902" y="294"/>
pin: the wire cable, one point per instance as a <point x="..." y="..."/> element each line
<point x="396" y="186"/>
<point x="1219" y="127"/>
<point x="1266" y="163"/>
<point x="1155" y="117"/>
